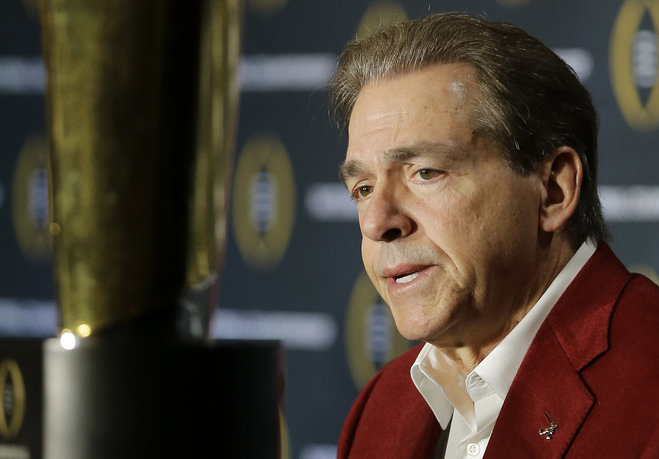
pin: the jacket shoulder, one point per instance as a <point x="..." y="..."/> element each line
<point x="388" y="413"/>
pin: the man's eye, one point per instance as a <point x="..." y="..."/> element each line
<point x="362" y="192"/>
<point x="428" y="174"/>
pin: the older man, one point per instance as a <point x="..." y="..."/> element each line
<point x="472" y="160"/>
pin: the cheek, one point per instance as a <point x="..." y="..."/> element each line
<point x="366" y="251"/>
<point x="463" y="226"/>
<point x="450" y="219"/>
<point x="369" y="255"/>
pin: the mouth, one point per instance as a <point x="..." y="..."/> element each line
<point x="404" y="274"/>
<point x="406" y="278"/>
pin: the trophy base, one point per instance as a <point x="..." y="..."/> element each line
<point x="130" y="398"/>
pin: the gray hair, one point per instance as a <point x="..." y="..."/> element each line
<point x="531" y="103"/>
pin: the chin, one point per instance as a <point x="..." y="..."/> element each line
<point x="409" y="335"/>
<point x="413" y="330"/>
<point x="427" y="327"/>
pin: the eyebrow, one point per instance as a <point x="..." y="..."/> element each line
<point x="352" y="168"/>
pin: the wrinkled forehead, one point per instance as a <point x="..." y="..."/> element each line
<point x="435" y="98"/>
<point x="443" y="86"/>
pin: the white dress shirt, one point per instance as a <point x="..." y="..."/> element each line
<point x="473" y="403"/>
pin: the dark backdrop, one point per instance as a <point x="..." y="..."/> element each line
<point x="293" y="270"/>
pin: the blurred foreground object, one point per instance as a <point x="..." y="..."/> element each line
<point x="142" y="101"/>
<point x="141" y="107"/>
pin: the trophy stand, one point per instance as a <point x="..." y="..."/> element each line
<point x="142" y="101"/>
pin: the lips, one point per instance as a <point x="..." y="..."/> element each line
<point x="403" y="274"/>
<point x="406" y="278"/>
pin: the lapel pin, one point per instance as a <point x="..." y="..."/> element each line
<point x="549" y="431"/>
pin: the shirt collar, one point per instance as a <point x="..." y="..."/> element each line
<point x="429" y="388"/>
<point x="499" y="367"/>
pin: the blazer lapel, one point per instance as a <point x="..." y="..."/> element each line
<point x="546" y="386"/>
<point x="419" y="431"/>
<point x="548" y="383"/>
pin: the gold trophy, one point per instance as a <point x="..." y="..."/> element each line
<point x="142" y="101"/>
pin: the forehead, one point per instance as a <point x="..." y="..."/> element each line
<point x="428" y="106"/>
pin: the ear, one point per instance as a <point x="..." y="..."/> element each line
<point x="562" y="174"/>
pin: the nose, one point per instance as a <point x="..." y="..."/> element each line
<point x="385" y="218"/>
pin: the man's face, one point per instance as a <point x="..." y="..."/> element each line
<point x="450" y="233"/>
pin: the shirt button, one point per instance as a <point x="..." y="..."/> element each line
<point x="473" y="449"/>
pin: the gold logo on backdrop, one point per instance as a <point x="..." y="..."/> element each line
<point x="372" y="339"/>
<point x="12" y="406"/>
<point x="634" y="63"/>
<point x="31" y="213"/>
<point x="263" y="201"/>
<point x="380" y="15"/>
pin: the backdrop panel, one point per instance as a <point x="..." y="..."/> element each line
<point x="293" y="269"/>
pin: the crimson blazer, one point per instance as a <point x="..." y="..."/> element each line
<point x="593" y="367"/>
